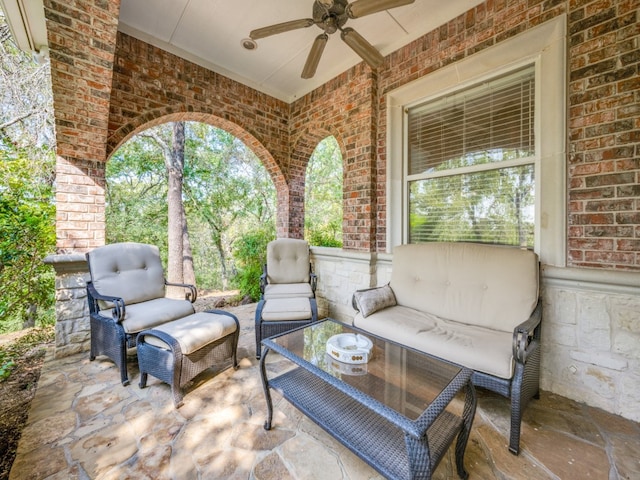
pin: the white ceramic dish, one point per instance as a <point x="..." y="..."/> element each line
<point x="350" y="348"/>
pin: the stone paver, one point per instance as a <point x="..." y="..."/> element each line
<point x="84" y="424"/>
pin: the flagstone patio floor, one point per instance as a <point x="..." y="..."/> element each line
<point x="83" y="424"/>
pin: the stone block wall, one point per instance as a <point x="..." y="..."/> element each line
<point x="590" y="338"/>
<point x="341" y="273"/>
<point x="73" y="333"/>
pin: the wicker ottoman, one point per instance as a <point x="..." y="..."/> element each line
<point x="279" y="315"/>
<point x="177" y="351"/>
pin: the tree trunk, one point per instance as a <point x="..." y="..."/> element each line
<point x="189" y="274"/>
<point x="176" y="225"/>
<point x="30" y="319"/>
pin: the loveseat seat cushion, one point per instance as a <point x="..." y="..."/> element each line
<point x="484" y="285"/>
<point x="481" y="349"/>
<point x="141" y="316"/>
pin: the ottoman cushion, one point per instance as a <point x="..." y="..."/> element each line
<point x="282" y="309"/>
<point x="194" y="331"/>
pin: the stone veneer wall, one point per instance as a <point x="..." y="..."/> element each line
<point x="590" y="332"/>
<point x="72" y="310"/>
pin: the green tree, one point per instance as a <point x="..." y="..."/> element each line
<point x="27" y="235"/>
<point x="250" y="254"/>
<point x="323" y="195"/>
<point x="226" y="193"/>
<point x="27" y="213"/>
<point x="228" y="190"/>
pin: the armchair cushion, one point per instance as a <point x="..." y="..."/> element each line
<point x="132" y="271"/>
<point x="287" y="290"/>
<point x="148" y="314"/>
<point x="288" y="261"/>
<point x="371" y="300"/>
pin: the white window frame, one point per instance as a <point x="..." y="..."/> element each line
<point x="544" y="46"/>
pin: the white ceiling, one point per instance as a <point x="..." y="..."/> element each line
<point x="209" y="33"/>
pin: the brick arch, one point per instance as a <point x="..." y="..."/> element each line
<point x="169" y="114"/>
<point x="303" y="147"/>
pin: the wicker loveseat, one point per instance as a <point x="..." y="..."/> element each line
<point x="475" y="305"/>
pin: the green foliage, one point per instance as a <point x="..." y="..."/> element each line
<point x="27" y="212"/>
<point x="226" y="193"/>
<point x="27" y="235"/>
<point x="323" y="195"/>
<point x="491" y="206"/>
<point x="325" y="236"/>
<point x="250" y="254"/>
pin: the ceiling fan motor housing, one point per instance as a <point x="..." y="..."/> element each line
<point x="330" y="19"/>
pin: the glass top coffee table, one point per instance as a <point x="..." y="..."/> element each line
<point x="395" y="411"/>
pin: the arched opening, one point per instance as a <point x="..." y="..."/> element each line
<point x="227" y="195"/>
<point x="323" y="195"/>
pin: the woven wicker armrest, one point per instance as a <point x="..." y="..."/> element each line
<point x="526" y="336"/>
<point x="313" y="281"/>
<point x="191" y="294"/>
<point x="171" y="342"/>
<point x="263" y="279"/>
<point x="118" y="310"/>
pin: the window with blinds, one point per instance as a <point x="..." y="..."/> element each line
<point x="470" y="164"/>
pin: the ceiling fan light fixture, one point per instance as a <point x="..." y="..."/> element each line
<point x="249" y="43"/>
<point x="363" y="48"/>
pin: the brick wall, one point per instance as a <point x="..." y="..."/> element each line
<point x="81" y="38"/>
<point x="345" y="108"/>
<point x="152" y="86"/>
<point x="604" y="133"/>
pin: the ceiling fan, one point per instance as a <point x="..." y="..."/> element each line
<point x="331" y="16"/>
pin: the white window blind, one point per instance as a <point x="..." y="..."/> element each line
<point x="477" y="125"/>
<point x="470" y="174"/>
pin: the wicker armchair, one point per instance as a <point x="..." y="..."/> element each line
<point x="288" y="273"/>
<point x="288" y="288"/>
<point x="126" y="295"/>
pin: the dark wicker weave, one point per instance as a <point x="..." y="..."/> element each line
<point x="176" y="369"/>
<point x="266" y="329"/>
<point x="525" y="383"/>
<point x="396" y="446"/>
<point x="107" y="334"/>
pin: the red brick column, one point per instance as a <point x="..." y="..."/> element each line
<point x="604" y="136"/>
<point x="81" y="35"/>
<point x="344" y="108"/>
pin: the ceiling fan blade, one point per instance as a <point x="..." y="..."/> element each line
<point x="313" y="59"/>
<point x="326" y="3"/>
<point x="280" y="28"/>
<point x="363" y="48"/>
<point x="360" y="8"/>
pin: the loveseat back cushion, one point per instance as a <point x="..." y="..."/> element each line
<point x="132" y="271"/>
<point x="288" y="261"/>
<point x="485" y="285"/>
